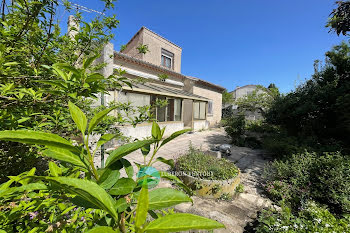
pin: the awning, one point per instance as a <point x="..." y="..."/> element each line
<point x="151" y="88"/>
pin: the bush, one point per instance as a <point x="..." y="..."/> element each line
<point x="280" y="145"/>
<point x="324" y="178"/>
<point x="260" y="126"/>
<point x="198" y="162"/>
<point x="311" y="219"/>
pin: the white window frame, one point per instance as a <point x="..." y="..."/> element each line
<point x="166" y="53"/>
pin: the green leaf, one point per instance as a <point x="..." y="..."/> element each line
<point x="89" y="61"/>
<point x="38" y="138"/>
<point x="70" y="69"/>
<point x="128" y="167"/>
<point x="87" y="190"/>
<point x="142" y="206"/>
<point x="58" y="83"/>
<point x="177" y="181"/>
<point x="156" y="133"/>
<point x="123" y="186"/>
<point x="102" y="229"/>
<point x="126" y="149"/>
<point x="66" y="156"/>
<point x="109" y="178"/>
<point x="169" y="162"/>
<point x="121" y="205"/>
<point x="54" y="169"/>
<point x="99" y="117"/>
<point x="146" y="149"/>
<point x="6" y="184"/>
<point x="181" y="222"/>
<point x="21" y="189"/>
<point x="59" y="72"/>
<point x="104" y="139"/>
<point x="166" y="197"/>
<point x="174" y="135"/>
<point x="94" y="77"/>
<point x="78" y="117"/>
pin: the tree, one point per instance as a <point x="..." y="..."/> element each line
<point x="340" y="18"/>
<point x="227" y="98"/>
<point x="320" y="107"/>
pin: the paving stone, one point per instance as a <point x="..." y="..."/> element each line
<point x="235" y="214"/>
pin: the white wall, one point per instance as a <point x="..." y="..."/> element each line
<point x="145" y="130"/>
<point x="200" y="124"/>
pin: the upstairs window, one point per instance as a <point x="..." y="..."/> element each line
<point x="167" y="59"/>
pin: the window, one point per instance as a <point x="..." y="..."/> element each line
<point x="171" y="112"/>
<point x="167" y="59"/>
<point x="210" y="107"/>
<point x="135" y="100"/>
<point x="199" y="110"/>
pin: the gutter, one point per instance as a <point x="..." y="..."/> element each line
<point x="146" y="75"/>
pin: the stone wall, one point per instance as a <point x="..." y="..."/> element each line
<point x="155" y="45"/>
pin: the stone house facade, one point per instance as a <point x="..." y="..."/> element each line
<point x="240" y="92"/>
<point x="192" y="102"/>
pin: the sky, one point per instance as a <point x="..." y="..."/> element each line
<point x="235" y="42"/>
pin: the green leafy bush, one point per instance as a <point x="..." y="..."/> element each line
<point x="235" y="128"/>
<point x="312" y="218"/>
<point x="320" y="107"/>
<point x="196" y="161"/>
<point x="239" y="188"/>
<point x="281" y="145"/>
<point x="324" y="178"/>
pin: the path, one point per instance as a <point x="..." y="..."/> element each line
<point x="234" y="214"/>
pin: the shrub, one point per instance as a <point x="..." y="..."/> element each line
<point x="281" y="145"/>
<point x="260" y="126"/>
<point x="324" y="178"/>
<point x="311" y="219"/>
<point x="235" y="128"/>
<point x="198" y="162"/>
<point x="239" y="188"/>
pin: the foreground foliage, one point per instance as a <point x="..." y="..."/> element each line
<point x="120" y="204"/>
<point x="311" y="218"/>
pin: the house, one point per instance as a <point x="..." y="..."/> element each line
<point x="241" y="92"/>
<point x="192" y="102"/>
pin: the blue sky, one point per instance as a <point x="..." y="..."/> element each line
<point x="235" y="42"/>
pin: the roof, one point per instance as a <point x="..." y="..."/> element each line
<point x="162" y="90"/>
<point x="128" y="58"/>
<point x="164" y="70"/>
<point x="207" y="83"/>
<point x="143" y="27"/>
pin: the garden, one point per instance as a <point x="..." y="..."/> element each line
<point x="307" y="133"/>
<point x="49" y="182"/>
